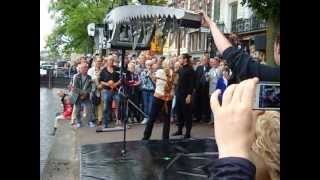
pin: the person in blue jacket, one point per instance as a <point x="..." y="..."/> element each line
<point x="223" y="81"/>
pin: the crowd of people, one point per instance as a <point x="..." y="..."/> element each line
<point x="219" y="91"/>
<point x="183" y="86"/>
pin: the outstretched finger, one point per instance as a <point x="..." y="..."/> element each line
<point x="214" y="101"/>
<point x="250" y="92"/>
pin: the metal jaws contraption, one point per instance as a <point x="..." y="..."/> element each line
<point x="134" y="26"/>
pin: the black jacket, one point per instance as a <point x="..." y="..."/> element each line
<point x="186" y="80"/>
<point x="243" y="66"/>
<point x="200" y="81"/>
<point x="231" y="168"/>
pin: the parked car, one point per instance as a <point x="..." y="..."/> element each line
<point x="47" y="66"/>
<point x="60" y="68"/>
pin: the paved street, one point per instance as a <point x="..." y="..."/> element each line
<point x="88" y="135"/>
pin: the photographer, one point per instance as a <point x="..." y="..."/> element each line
<point x="242" y="65"/>
<point x="234" y="131"/>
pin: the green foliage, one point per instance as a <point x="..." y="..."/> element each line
<point x="156" y="2"/>
<point x="72" y="18"/>
<point x="264" y="8"/>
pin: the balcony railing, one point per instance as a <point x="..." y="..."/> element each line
<point x="248" y="25"/>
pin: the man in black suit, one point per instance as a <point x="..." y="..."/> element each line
<point x="201" y="94"/>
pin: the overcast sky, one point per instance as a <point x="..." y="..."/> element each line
<point x="46" y="24"/>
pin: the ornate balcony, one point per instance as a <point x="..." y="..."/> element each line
<point x="248" y="25"/>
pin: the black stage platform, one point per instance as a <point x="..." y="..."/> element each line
<point x="148" y="160"/>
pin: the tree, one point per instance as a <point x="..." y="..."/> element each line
<point x="269" y="10"/>
<point x="71" y="18"/>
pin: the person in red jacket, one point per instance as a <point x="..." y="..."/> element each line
<point x="67" y="111"/>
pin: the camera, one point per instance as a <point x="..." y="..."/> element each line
<point x="267" y="96"/>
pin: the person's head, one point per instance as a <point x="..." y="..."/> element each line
<point x="83" y="68"/>
<point x="234" y="39"/>
<point x="214" y="62"/>
<point x="276" y="50"/>
<point x="174" y="59"/>
<point x="166" y="64"/>
<point x="185" y="59"/>
<point x="133" y="62"/>
<point x="67" y="100"/>
<point x="154" y="67"/>
<point x="131" y="67"/>
<point x="226" y="72"/>
<point x="205" y="59"/>
<point x="222" y="63"/>
<point x="177" y="65"/>
<point x="116" y="62"/>
<point x="141" y="60"/>
<point x="148" y="64"/>
<point x="267" y="142"/>
<point x="98" y="62"/>
<point x="60" y="93"/>
<point x="82" y="59"/>
<point x="109" y="61"/>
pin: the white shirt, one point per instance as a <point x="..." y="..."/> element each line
<point x="92" y="72"/>
<point x="161" y="82"/>
<point x="225" y="81"/>
<point x="213" y="75"/>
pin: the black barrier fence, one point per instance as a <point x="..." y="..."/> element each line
<point x="50" y="80"/>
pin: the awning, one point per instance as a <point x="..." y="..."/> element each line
<point x="129" y="13"/>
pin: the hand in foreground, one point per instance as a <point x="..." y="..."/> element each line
<point x="235" y="119"/>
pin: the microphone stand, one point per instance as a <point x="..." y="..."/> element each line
<point x="124" y="101"/>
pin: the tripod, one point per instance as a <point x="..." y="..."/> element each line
<point x="124" y="102"/>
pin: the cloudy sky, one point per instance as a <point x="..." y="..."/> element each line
<point x="46" y="24"/>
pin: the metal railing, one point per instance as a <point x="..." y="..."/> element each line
<point x="248" y="25"/>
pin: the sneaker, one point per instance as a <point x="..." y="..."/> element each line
<point x="78" y="125"/>
<point x="135" y="120"/>
<point x="145" y="120"/>
<point x="129" y="120"/>
<point x="92" y="125"/>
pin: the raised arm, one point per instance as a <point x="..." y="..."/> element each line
<point x="220" y="40"/>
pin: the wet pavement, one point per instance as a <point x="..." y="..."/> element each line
<point x="49" y="106"/>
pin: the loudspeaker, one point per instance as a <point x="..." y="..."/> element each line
<point x="260" y="42"/>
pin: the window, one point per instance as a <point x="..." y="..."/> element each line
<point x="194" y="41"/>
<point x="234" y="7"/>
<point x="202" y="41"/>
<point x="216" y="15"/>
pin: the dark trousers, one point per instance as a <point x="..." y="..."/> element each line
<point x="201" y="103"/>
<point x="157" y="106"/>
<point x="184" y="113"/>
<point x="132" y="111"/>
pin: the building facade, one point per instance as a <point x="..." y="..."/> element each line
<point x="229" y="15"/>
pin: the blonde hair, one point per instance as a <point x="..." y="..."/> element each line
<point x="267" y="142"/>
<point x="166" y="64"/>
